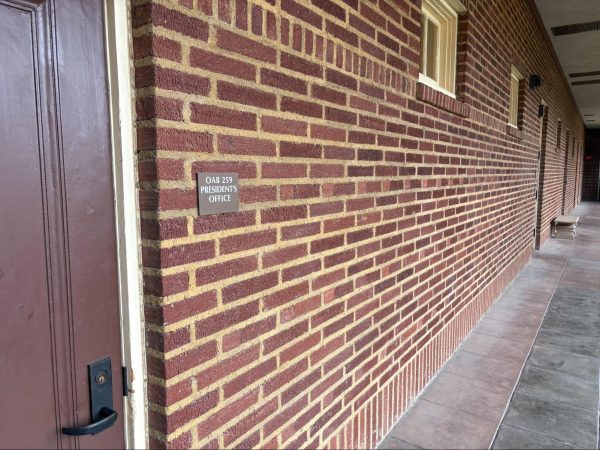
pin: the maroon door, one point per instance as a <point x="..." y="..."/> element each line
<point x="59" y="307"/>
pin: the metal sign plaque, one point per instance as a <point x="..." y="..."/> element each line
<point x="218" y="193"/>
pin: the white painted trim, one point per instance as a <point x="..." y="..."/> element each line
<point x="457" y="6"/>
<point x="445" y="17"/>
<point x="120" y="80"/>
<point x="434" y="85"/>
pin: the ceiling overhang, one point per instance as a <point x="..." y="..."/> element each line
<point x="574" y="30"/>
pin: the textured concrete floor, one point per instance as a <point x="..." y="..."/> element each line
<point x="527" y="377"/>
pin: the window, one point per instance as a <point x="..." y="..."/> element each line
<point x="513" y="108"/>
<point x="438" y="43"/>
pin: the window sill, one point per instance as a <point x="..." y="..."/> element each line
<point x="441" y="99"/>
<point x="513" y="131"/>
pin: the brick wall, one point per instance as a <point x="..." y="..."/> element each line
<point x="591" y="168"/>
<point x="379" y="218"/>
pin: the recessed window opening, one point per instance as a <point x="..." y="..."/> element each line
<point x="513" y="109"/>
<point x="438" y="45"/>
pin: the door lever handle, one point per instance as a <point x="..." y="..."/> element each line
<point x="102" y="414"/>
<point x="107" y="419"/>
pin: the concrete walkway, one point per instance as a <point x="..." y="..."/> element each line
<point x="527" y="377"/>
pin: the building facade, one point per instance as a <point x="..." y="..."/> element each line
<point x="396" y="164"/>
<point x="379" y="216"/>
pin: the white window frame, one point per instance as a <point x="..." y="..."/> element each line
<point x="514" y="100"/>
<point x="443" y="13"/>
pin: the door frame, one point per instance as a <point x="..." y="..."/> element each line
<point x="565" y="174"/>
<point x="540" y="170"/>
<point x="118" y="39"/>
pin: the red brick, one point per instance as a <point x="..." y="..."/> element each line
<point x="327" y="133"/>
<point x="286" y="295"/>
<point x="300" y="231"/>
<point x="299" y="191"/>
<point x="245" y="95"/>
<point x="224" y="8"/>
<point x="329" y="95"/>
<point x="181" y="23"/>
<point x="285" y="376"/>
<point x="195" y="409"/>
<point x="325" y="244"/>
<point x="224" y="117"/>
<point x="283" y="337"/>
<point x="173" y="228"/>
<point x="362" y="26"/>
<point x="236" y="145"/>
<point x="257" y="20"/>
<point x="227" y="269"/>
<point x="279" y="80"/>
<point x="285" y="415"/>
<point x="157" y="46"/>
<point x="283" y="214"/>
<point x="224" y="320"/>
<point x="173" y="80"/>
<point x="341" y="79"/>
<point x="241" y="14"/>
<point x="245" y="46"/>
<point x="160" y="169"/>
<point x="222" y="64"/>
<point x="166" y="285"/>
<point x="243" y="169"/>
<point x="339" y="115"/>
<point x="327" y="279"/>
<point x="283" y="126"/>
<point x="248" y="287"/>
<point x="341" y="33"/>
<point x="283" y="170"/>
<point x="249" y="333"/>
<point x="257" y="194"/>
<point x="331" y="8"/>
<point x="300" y="150"/>
<point x="175" y="140"/>
<point x="297" y="64"/>
<point x="302" y="13"/>
<point x="181" y="254"/>
<point x="323" y="209"/>
<point x="326" y="170"/>
<point x="226" y="414"/>
<point x="300" y="270"/>
<point x="210" y="224"/>
<point x="245" y="424"/>
<point x="180" y="310"/>
<point x="283" y="255"/>
<point x="247" y="241"/>
<point x="249" y="377"/>
<point x="227" y="366"/>
<point x="300" y="348"/>
<point x="166" y="396"/>
<point x="166" y="342"/>
<point x="189" y="359"/>
<point x="301" y="107"/>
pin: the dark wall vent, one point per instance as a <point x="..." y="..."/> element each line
<point x="579" y="83"/>
<point x="584" y="74"/>
<point x="576" y="28"/>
